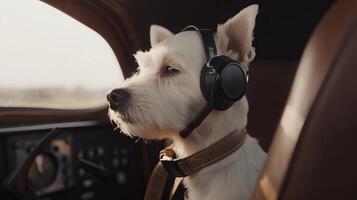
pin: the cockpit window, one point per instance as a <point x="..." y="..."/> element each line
<point x="50" y="60"/>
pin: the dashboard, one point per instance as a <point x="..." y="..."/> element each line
<point x="57" y="172"/>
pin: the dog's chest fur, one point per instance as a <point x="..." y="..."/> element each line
<point x="232" y="178"/>
<point x="235" y="176"/>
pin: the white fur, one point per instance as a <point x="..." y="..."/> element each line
<point x="161" y="105"/>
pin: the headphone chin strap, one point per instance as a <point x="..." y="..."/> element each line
<point x="184" y="133"/>
<point x="207" y="38"/>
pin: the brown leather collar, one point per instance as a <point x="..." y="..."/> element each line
<point x="169" y="167"/>
<point x="217" y="151"/>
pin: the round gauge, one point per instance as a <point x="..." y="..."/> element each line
<point x="43" y="171"/>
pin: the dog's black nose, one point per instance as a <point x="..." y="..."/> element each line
<point x="118" y="98"/>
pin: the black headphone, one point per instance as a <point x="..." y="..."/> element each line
<point x="223" y="81"/>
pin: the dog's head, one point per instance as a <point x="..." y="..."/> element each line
<point x="164" y="95"/>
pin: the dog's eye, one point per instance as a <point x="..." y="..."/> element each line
<point x="170" y="70"/>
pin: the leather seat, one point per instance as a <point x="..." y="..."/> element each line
<point x="314" y="151"/>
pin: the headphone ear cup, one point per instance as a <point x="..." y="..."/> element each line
<point x="223" y="83"/>
<point x="207" y="82"/>
<point x="230" y="82"/>
<point x="233" y="81"/>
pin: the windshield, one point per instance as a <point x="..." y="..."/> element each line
<point x="50" y="60"/>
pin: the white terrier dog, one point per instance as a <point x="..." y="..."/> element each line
<point x="164" y="95"/>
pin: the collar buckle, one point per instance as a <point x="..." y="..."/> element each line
<point x="167" y="159"/>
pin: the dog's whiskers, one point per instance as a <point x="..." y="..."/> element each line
<point x="137" y="140"/>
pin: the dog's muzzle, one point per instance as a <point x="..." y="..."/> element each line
<point x="118" y="99"/>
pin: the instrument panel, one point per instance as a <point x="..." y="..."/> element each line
<point x="57" y="173"/>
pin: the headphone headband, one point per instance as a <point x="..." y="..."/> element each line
<point x="207" y="38"/>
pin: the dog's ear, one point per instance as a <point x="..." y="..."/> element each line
<point x="237" y="33"/>
<point x="158" y="34"/>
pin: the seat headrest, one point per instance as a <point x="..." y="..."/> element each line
<point x="318" y="116"/>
